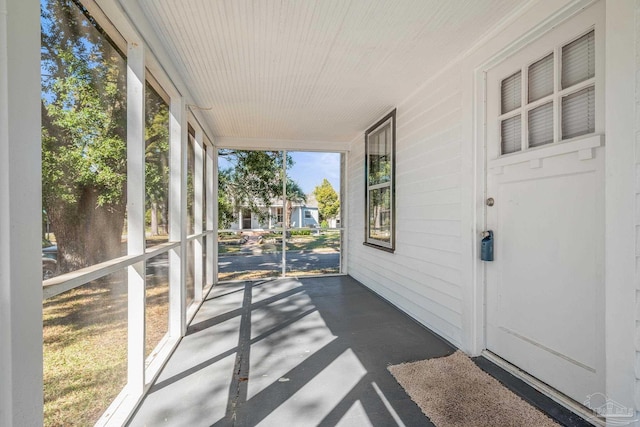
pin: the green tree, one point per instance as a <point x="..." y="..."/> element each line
<point x="225" y="199"/>
<point x="84" y="138"/>
<point x="157" y="160"/>
<point x="253" y="181"/>
<point x="295" y="194"/>
<point x="328" y="200"/>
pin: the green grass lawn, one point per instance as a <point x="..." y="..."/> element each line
<point x="85" y="335"/>
<point x="327" y="240"/>
<point x="265" y="274"/>
<point x="85" y="347"/>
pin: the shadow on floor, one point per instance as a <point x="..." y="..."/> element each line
<point x="291" y="352"/>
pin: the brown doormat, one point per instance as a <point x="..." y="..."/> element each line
<point x="453" y="391"/>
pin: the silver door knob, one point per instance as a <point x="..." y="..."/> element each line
<point x="490" y="201"/>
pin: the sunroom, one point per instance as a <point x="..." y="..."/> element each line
<point x="468" y="165"/>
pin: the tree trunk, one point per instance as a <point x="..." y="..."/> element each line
<point x="154" y="219"/>
<point x="165" y="217"/>
<point x="87" y="234"/>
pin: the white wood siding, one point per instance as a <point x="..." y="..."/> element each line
<point x="424" y="275"/>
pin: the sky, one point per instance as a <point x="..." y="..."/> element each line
<point x="310" y="168"/>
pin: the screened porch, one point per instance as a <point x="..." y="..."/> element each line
<point x="242" y="212"/>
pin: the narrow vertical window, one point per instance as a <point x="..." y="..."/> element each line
<point x="380" y="185"/>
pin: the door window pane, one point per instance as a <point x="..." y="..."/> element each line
<point x="578" y="60"/>
<point x="541" y="78"/>
<point x="541" y="125"/>
<point x="511" y="93"/>
<point x="578" y="113"/>
<point x="511" y="135"/>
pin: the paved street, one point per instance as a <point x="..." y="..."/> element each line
<point x="273" y="261"/>
<point x="296" y="261"/>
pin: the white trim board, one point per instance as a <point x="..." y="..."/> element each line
<point x="281" y="144"/>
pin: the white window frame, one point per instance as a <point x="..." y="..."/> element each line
<point x="388" y="120"/>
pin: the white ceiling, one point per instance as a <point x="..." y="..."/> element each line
<point x="316" y="70"/>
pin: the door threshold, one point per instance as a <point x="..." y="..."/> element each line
<point x="553" y="394"/>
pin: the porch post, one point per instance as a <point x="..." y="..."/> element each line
<point x="211" y="184"/>
<point x="177" y="216"/>
<point x="285" y="213"/>
<point x="20" y="215"/>
<point x="198" y="206"/>
<point x="135" y="214"/>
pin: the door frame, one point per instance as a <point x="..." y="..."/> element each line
<point x="478" y="317"/>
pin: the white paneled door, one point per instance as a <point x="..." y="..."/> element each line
<point x="544" y="288"/>
<point x="545" y="293"/>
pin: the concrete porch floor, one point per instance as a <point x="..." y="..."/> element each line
<point x="302" y="352"/>
<point x="291" y="352"/>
